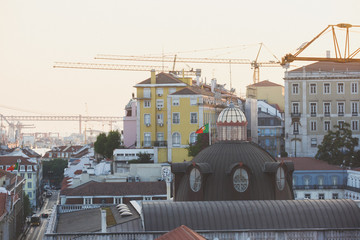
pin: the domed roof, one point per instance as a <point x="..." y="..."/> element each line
<point x="231" y="114"/>
<point x="218" y="164"/>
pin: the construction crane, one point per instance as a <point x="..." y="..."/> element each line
<point x="254" y="64"/>
<point x="339" y="58"/>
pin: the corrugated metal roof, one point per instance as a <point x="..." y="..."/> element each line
<point x="252" y="215"/>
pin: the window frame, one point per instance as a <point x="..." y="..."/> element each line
<point x="176" y="101"/>
<point x="295" y="88"/>
<point x="196" y="118"/>
<point x="354" y="87"/>
<point x="313" y="125"/>
<point x="339" y="104"/>
<point x="312" y="88"/>
<point x="354" y="125"/>
<point x="176" y="143"/>
<point x="313" y="106"/>
<point x="175" y="120"/>
<point x="327" y="105"/>
<point x="147" y="118"/>
<point x="329" y="125"/>
<point x="340" y="88"/>
<point x="327" y="86"/>
<point x="147" y="104"/>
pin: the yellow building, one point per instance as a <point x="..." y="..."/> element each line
<point x="169" y="111"/>
<point x="272" y="93"/>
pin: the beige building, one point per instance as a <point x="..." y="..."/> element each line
<point x="317" y="97"/>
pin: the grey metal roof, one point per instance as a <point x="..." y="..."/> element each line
<point x="252" y="215"/>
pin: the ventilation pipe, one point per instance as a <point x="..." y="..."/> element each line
<point x="198" y="74"/>
<point x="213" y="84"/>
<point x="103" y="221"/>
<point x="153" y="76"/>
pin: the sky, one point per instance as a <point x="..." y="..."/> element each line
<point x="36" y="33"/>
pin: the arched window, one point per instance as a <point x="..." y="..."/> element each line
<point x="240" y="180"/>
<point x="176" y="139"/>
<point x="193" y="137"/>
<point x="280" y="178"/>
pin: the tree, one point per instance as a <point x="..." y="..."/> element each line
<point x="27" y="206"/>
<point x="54" y="170"/>
<point x="202" y="141"/>
<point x="105" y="145"/>
<point x="338" y="146"/>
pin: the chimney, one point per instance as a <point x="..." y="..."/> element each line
<point x="153" y="76"/>
<point x="327" y="53"/>
<point x="213" y="84"/>
<point x="198" y="74"/>
<point x="103" y="221"/>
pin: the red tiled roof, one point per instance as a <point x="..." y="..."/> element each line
<point x="12" y="177"/>
<point x="78" y="172"/>
<point x="10" y="160"/>
<point x="265" y="83"/>
<point x="181" y="233"/>
<point x="308" y="163"/>
<point x="2" y="204"/>
<point x="329" y="67"/>
<point x="162" y="78"/>
<point x="93" y="188"/>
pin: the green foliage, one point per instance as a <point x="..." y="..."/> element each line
<point x="202" y="141"/>
<point x="27" y="206"/>
<point x="105" y="145"/>
<point x="284" y="154"/>
<point x="143" y="158"/>
<point x="338" y="146"/>
<point x="54" y="170"/>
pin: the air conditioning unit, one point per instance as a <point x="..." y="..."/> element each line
<point x="159" y="94"/>
<point x="159" y="108"/>
<point x="148" y="124"/>
<point x="161" y="124"/>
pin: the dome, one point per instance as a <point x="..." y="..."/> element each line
<point x="233" y="170"/>
<point x="231" y="114"/>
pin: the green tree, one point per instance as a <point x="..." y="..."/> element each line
<point x="27" y="206"/>
<point x="202" y="141"/>
<point x="99" y="145"/>
<point x="338" y="146"/>
<point x="54" y="170"/>
<point x="112" y="142"/>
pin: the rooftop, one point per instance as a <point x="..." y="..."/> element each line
<point x="308" y="163"/>
<point x="329" y="67"/>
<point x="181" y="233"/>
<point x="265" y="83"/>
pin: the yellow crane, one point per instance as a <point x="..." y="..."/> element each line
<point x="347" y="56"/>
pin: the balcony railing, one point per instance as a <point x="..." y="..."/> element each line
<point x="296" y="114"/>
<point x="339" y="186"/>
<point x="146" y="144"/>
<point x="354" y="189"/>
<point x="327" y="114"/>
<point x="354" y="113"/>
<point x="313" y="114"/>
<point x="160" y="144"/>
<point x="341" y="114"/>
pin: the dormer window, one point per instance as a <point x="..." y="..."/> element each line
<point x="240" y="180"/>
<point x="195" y="180"/>
<point x="29" y="168"/>
<point x="280" y="178"/>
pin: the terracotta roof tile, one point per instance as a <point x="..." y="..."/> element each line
<point x="162" y="78"/>
<point x="308" y="163"/>
<point x="181" y="233"/>
<point x="2" y="204"/>
<point x="329" y="67"/>
<point x="93" y="188"/>
<point x="10" y="160"/>
<point x="265" y="83"/>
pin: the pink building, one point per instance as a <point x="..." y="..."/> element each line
<point x="130" y="124"/>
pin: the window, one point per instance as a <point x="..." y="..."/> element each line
<point x="160" y="136"/>
<point x="295" y="108"/>
<point x="326" y="126"/>
<point x="22" y="168"/>
<point x="195" y="180"/>
<point x="29" y="168"/>
<point x="147" y="139"/>
<point x="193" y="118"/>
<point x="313" y="142"/>
<point x="172" y="90"/>
<point x="193" y="137"/>
<point x="296" y="128"/>
<point x="193" y="101"/>
<point x="147" y="198"/>
<point x="327" y="109"/>
<point x="326" y="88"/>
<point x="147" y="93"/>
<point x="295" y="88"/>
<point x="147" y="119"/>
<point x="30" y="194"/>
<point x="335" y="196"/>
<point x="87" y="200"/>
<point x="118" y="200"/>
<point x="160" y="118"/>
<point x="354" y="108"/>
<point x="321" y="196"/>
<point x="354" y="87"/>
<point x="341" y="124"/>
<point x="176" y="139"/>
<point x="147" y="104"/>
<point x="159" y="103"/>
<point x="175" y="102"/>
<point x="176" y="118"/>
<point x="159" y="92"/>
<point x="240" y="180"/>
<point x="313" y="108"/>
<point x="340" y="88"/>
<point x="280" y="178"/>
<point x="307" y="196"/>
<point x="320" y="180"/>
<point x="29" y="175"/>
<point x="355" y="125"/>
<point x="341" y="107"/>
<point x="312" y="88"/>
<point x="29" y="184"/>
<point x="22" y="175"/>
<point x="334" y="180"/>
<point x="307" y="180"/>
<point x="313" y="126"/>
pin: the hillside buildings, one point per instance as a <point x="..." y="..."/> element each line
<point x="317" y="97"/>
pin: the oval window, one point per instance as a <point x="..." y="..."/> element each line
<point x="280" y="178"/>
<point x="195" y="180"/>
<point x="240" y="180"/>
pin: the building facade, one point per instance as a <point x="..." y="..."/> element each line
<point x="317" y="97"/>
<point x="129" y="133"/>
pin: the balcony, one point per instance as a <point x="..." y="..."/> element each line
<point x="160" y="143"/>
<point x="313" y="114"/>
<point x="354" y="114"/>
<point x="341" y="114"/>
<point x="327" y="114"/>
<point x="146" y="144"/>
<point x="296" y="115"/>
<point x="299" y="187"/>
<point x="354" y="189"/>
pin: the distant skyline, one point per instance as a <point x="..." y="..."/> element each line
<point x="37" y="33"/>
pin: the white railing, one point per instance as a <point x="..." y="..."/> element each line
<point x="51" y="225"/>
<point x="78" y="207"/>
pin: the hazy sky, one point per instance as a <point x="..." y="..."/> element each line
<point x="36" y="33"/>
